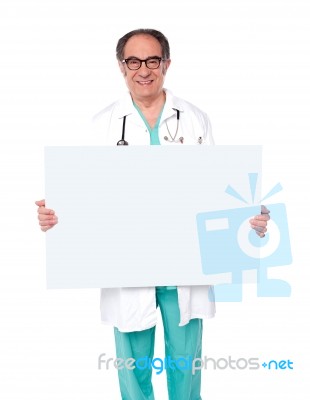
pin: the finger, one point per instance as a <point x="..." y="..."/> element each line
<point x="44" y="217"/>
<point x="261" y="217"/>
<point x="45" y="211"/>
<point x="260" y="234"/>
<point x="258" y="222"/>
<point x="48" y="222"/>
<point x="259" y="229"/>
<point x="46" y="228"/>
<point x="264" y="209"/>
<point x="40" y="203"/>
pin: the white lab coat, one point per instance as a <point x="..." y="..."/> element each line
<point x="134" y="309"/>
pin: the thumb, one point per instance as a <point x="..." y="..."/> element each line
<point x="40" y="203"/>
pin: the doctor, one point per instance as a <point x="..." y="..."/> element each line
<point x="149" y="114"/>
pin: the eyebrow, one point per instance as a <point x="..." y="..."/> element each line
<point x="140" y="58"/>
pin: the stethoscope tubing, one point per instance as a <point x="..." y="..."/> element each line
<point x="123" y="142"/>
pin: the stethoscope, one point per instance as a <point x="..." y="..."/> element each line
<point x="172" y="139"/>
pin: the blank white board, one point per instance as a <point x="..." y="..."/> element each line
<point x="128" y="214"/>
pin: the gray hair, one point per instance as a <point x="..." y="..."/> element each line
<point x="163" y="41"/>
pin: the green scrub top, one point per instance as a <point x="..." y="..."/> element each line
<point x="153" y="132"/>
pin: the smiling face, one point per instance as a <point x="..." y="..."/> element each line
<point x="144" y="84"/>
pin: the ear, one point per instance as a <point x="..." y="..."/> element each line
<point x="166" y="65"/>
<point x="122" y="68"/>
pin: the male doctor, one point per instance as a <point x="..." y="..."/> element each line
<point x="149" y="114"/>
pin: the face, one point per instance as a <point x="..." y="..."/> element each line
<point x="144" y="83"/>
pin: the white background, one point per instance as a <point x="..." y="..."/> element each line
<point x="247" y="64"/>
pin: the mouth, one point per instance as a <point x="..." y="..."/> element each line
<point x="145" y="83"/>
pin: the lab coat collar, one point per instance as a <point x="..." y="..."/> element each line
<point x="125" y="106"/>
<point x="172" y="104"/>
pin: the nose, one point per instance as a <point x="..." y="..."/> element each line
<point x="144" y="70"/>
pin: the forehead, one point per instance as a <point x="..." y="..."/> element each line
<point x="142" y="46"/>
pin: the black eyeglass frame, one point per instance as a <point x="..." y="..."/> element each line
<point x="159" y="59"/>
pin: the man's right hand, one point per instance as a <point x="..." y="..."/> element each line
<point x="46" y="216"/>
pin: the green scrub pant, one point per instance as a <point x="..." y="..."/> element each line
<point x="184" y="341"/>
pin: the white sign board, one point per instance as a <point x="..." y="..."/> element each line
<point x="131" y="215"/>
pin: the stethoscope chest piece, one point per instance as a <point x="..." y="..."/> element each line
<point x="122" y="143"/>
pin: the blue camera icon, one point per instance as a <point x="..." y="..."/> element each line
<point x="228" y="244"/>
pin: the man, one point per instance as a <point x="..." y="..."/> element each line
<point x="150" y="114"/>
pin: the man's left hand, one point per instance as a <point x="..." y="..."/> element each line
<point x="259" y="222"/>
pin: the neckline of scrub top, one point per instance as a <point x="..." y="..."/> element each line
<point x="153" y="132"/>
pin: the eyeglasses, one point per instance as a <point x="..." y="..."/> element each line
<point x="135" y="63"/>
